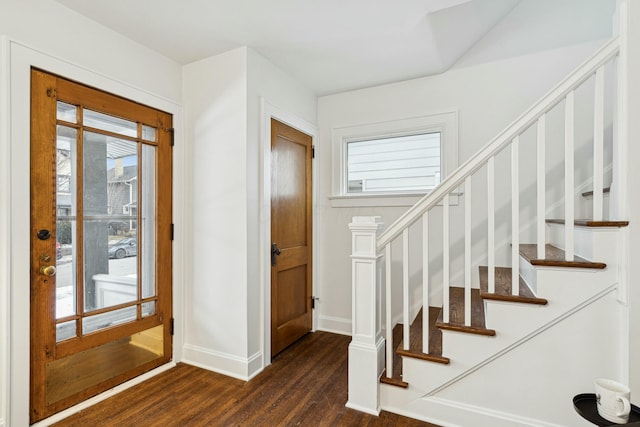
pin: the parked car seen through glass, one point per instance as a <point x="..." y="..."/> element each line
<point x="124" y="248"/>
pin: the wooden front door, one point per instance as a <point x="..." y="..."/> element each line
<point x="101" y="194"/>
<point x="291" y="231"/>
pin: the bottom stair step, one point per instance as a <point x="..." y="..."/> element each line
<point x="456" y="314"/>
<point x="393" y="381"/>
<point x="415" y="347"/>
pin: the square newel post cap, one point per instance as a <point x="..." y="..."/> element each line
<point x="366" y="223"/>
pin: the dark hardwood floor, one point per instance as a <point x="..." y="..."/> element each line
<point x="305" y="386"/>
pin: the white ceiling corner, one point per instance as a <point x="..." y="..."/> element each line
<point x="329" y="46"/>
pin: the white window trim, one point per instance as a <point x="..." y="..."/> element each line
<point x="444" y="122"/>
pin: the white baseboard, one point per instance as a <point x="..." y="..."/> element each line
<point x="456" y="414"/>
<point x="222" y="363"/>
<point x="486" y="417"/>
<point x="335" y="325"/>
<point x="362" y="409"/>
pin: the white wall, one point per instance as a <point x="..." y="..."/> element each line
<point x="68" y="44"/>
<point x="225" y="297"/>
<point x="61" y="32"/>
<point x="490" y="87"/>
<point x="215" y="103"/>
<point x="631" y="160"/>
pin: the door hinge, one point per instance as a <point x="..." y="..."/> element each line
<point x="313" y="151"/>
<point x="173" y="136"/>
<point x="313" y="301"/>
<point x="171" y="326"/>
<point x="172" y="228"/>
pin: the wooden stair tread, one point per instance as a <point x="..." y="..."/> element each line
<point x="590" y="192"/>
<point x="393" y="381"/>
<point x="591" y="223"/>
<point x="456" y="313"/>
<point x="503" y="290"/>
<point x="555" y="257"/>
<point x="415" y="339"/>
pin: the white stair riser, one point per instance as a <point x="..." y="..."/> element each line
<point x="529" y="274"/>
<point x="593" y="244"/>
<point x="557" y="284"/>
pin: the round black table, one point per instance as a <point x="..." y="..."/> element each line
<point x="585" y="405"/>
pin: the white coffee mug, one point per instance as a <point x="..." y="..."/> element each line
<point x="613" y="400"/>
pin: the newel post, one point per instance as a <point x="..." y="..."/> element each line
<point x="366" y="351"/>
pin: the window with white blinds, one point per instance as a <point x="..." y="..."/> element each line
<point x="394" y="164"/>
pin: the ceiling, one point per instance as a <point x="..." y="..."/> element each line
<point x="328" y="45"/>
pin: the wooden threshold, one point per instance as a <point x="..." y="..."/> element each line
<point x="456" y="314"/>
<point x="591" y="223"/>
<point x="555" y="257"/>
<point x="503" y="291"/>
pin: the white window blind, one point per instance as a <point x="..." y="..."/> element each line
<point x="394" y="164"/>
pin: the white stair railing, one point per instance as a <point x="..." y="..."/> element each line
<point x="463" y="176"/>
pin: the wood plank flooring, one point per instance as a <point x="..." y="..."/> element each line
<point x="306" y="385"/>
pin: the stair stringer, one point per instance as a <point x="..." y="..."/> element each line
<point x="513" y="323"/>
<point x="496" y="390"/>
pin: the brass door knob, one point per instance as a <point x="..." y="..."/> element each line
<point x="48" y="270"/>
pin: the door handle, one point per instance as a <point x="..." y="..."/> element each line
<point x="49" y="270"/>
<point x="275" y="251"/>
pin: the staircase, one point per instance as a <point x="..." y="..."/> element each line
<point x="498" y="332"/>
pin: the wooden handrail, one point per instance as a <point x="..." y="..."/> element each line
<point x="503" y="139"/>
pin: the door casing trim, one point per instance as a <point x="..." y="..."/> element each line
<point x="267" y="112"/>
<point x="18" y="58"/>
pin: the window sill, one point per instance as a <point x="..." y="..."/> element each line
<point x="382" y="200"/>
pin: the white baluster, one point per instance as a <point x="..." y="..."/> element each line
<point x="598" y="137"/>
<point x="515" y="216"/>
<point x="542" y="188"/>
<point x="405" y="288"/>
<point x="491" y="218"/>
<point x="568" y="176"/>
<point x="467" y="251"/>
<point x="389" y="315"/>
<point x="445" y="258"/>
<point x="425" y="282"/>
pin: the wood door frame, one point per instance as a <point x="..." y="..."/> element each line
<point x="17" y="60"/>
<point x="267" y="112"/>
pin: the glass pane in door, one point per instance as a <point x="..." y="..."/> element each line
<point x="148" y="221"/>
<point x="66" y="193"/>
<point x="110" y="191"/>
<point x="109" y="123"/>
